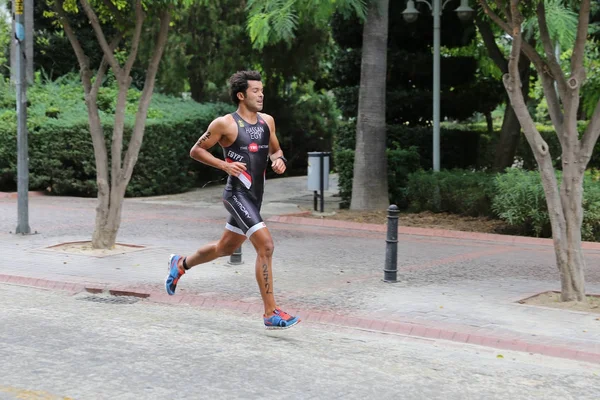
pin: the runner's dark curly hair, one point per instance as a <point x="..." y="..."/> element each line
<point x="239" y="83"/>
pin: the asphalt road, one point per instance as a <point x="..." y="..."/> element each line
<point x="57" y="346"/>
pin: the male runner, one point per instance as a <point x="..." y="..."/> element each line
<point x="248" y="140"/>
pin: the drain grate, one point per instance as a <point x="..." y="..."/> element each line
<point x="110" y="300"/>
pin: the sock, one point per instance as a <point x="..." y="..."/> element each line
<point x="185" y="266"/>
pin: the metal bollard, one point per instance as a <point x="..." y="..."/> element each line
<point x="391" y="248"/>
<point x="236" y="257"/>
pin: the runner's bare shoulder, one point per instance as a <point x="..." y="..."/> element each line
<point x="228" y="128"/>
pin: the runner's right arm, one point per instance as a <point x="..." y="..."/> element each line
<point x="213" y="134"/>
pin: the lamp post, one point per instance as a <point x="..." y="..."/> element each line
<point x="410" y="15"/>
<point x="22" y="146"/>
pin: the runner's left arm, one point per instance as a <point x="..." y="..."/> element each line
<point x="275" y="152"/>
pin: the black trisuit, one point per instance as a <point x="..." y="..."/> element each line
<point x="243" y="194"/>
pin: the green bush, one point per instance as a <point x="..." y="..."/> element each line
<point x="61" y="155"/>
<point x="525" y="153"/>
<point x="454" y="191"/>
<point x="520" y="201"/>
<point x="401" y="163"/>
<point x="344" y="161"/>
<point x="459" y="144"/>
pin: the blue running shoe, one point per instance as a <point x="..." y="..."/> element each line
<point x="174" y="274"/>
<point x="280" y="320"/>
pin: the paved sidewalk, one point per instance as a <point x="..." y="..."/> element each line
<point x="454" y="286"/>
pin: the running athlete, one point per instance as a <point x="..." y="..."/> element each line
<point x="248" y="140"/>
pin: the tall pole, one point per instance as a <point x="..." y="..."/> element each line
<point x="22" y="157"/>
<point x="437" y="12"/>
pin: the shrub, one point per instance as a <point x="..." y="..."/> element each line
<point x="61" y="155"/>
<point x="401" y="163"/>
<point x="520" y="201"/>
<point x="454" y="191"/>
<point x="525" y="153"/>
<point x="459" y="143"/>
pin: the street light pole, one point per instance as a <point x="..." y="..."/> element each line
<point x="410" y="15"/>
<point x="22" y="146"/>
<point x="437" y="14"/>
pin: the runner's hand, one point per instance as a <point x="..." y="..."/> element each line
<point x="235" y="168"/>
<point x="278" y="166"/>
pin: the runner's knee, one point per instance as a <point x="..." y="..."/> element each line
<point x="266" y="249"/>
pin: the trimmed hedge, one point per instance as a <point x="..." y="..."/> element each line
<point x="459" y="144"/>
<point x="525" y="153"/>
<point x="61" y="155"/>
<point x="516" y="197"/>
<point x="401" y="163"/>
<point x="454" y="191"/>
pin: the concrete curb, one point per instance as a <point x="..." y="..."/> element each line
<point x="413" y="231"/>
<point x="435" y="331"/>
<point x="15" y="195"/>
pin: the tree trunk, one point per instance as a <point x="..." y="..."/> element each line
<point x="370" y="184"/>
<point x="570" y="259"/>
<point x="510" y="134"/>
<point x="565" y="204"/>
<point x="489" y="122"/>
<point x="196" y="80"/>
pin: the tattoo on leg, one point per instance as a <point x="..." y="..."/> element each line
<point x="203" y="139"/>
<point x="266" y="276"/>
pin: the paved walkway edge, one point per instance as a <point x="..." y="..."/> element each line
<point x="469" y="335"/>
<point x="15" y="195"/>
<point x="407" y="230"/>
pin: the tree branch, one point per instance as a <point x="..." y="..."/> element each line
<point x="494" y="17"/>
<point x="556" y="113"/>
<point x="590" y="136"/>
<point x="140" y="118"/>
<point x="490" y="43"/>
<point x="555" y="68"/>
<point x="103" y="65"/>
<point x="526" y="48"/>
<point x="108" y="53"/>
<point x="79" y="53"/>
<point x="577" y="70"/>
<point x="135" y="41"/>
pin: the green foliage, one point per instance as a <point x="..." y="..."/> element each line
<point x="5" y="33"/>
<point x="562" y="24"/>
<point x="408" y="87"/>
<point x="272" y="21"/>
<point x="344" y="162"/>
<point x="520" y="201"/>
<point x="455" y="191"/>
<point x="306" y="124"/>
<point x="60" y="147"/>
<point x="401" y="162"/>
<point x="459" y="143"/>
<point x="516" y="197"/>
<point x="548" y="133"/>
<point x="590" y="227"/>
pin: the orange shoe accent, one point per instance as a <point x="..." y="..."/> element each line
<point x="283" y="314"/>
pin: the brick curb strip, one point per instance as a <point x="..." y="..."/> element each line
<point x="407" y="230"/>
<point x="467" y="335"/>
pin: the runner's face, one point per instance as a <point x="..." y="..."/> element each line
<point x="254" y="96"/>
